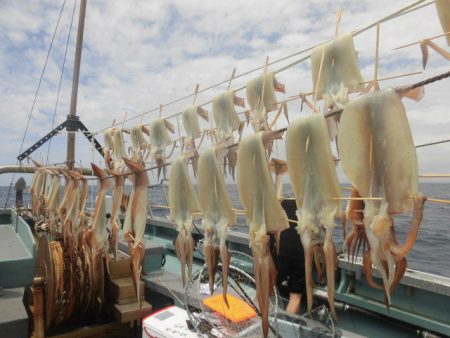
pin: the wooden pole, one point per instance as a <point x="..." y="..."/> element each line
<point x="38" y="308"/>
<point x="231" y="78"/>
<point x="338" y="20"/>
<point x="196" y="92"/>
<point x="434" y="175"/>
<point x="318" y="80"/>
<point x="377" y="48"/>
<point x="261" y="98"/>
<point x="75" y="81"/>
<point x="418" y="42"/>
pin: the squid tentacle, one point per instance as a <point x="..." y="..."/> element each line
<point x="401" y="251"/>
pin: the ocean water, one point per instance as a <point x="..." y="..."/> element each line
<point x="431" y="253"/>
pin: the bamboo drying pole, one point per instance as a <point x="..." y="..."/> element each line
<point x="418" y="42"/>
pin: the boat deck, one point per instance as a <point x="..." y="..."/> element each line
<point x="361" y="310"/>
<point x="13" y="318"/>
<point x="17" y="251"/>
<point x="11" y="246"/>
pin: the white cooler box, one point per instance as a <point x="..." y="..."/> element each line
<point x="167" y="323"/>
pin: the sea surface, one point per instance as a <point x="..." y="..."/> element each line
<point x="431" y="253"/>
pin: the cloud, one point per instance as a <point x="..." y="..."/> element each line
<point x="140" y="54"/>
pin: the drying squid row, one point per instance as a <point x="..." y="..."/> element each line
<point x="378" y="156"/>
<point x="376" y="151"/>
<point x="66" y="217"/>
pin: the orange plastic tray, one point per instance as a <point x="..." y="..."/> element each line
<point x="237" y="312"/>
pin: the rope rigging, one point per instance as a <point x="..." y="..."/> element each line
<point x="35" y="96"/>
<point x="61" y="77"/>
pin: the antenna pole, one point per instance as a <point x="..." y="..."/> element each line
<point x="76" y="77"/>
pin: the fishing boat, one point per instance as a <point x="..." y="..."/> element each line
<point x="164" y="254"/>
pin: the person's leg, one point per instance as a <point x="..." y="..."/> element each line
<point x="296" y="284"/>
<point x="295" y="300"/>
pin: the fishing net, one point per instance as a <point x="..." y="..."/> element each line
<point x="209" y="322"/>
<point x="242" y="318"/>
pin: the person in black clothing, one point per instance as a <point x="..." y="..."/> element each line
<point x="290" y="261"/>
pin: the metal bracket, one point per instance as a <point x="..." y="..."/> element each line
<point x="72" y="123"/>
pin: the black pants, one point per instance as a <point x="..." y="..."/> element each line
<point x="290" y="261"/>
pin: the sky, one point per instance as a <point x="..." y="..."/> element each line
<point x="140" y="54"/>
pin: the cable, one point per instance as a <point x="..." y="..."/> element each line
<point x="42" y="76"/>
<point x="404" y="89"/>
<point x="405" y="10"/>
<point x="60" y="78"/>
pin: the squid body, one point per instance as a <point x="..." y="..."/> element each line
<point x="379" y="157"/>
<point x="138" y="219"/>
<point x="183" y="204"/>
<point x="218" y="214"/>
<point x="263" y="213"/>
<point x="314" y="181"/>
<point x="224" y="113"/>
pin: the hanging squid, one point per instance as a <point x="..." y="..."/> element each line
<point x="227" y="121"/>
<point x="63" y="204"/>
<point x="261" y="98"/>
<point x="119" y="183"/>
<point x="119" y="150"/>
<point x="224" y="113"/>
<point x="337" y="63"/>
<point x="139" y="144"/>
<point x="37" y="189"/>
<point x="81" y="213"/>
<point x="128" y="233"/>
<point x="357" y="237"/>
<point x="443" y="10"/>
<point x="314" y="181"/>
<point x="192" y="127"/>
<point x="263" y="212"/>
<point x="279" y="168"/>
<point x="191" y="124"/>
<point x="183" y="204"/>
<point x="53" y="202"/>
<point x="108" y="149"/>
<point x="70" y="222"/>
<point x="96" y="238"/>
<point x="99" y="227"/>
<point x="218" y="214"/>
<point x="47" y="188"/>
<point x="379" y="157"/>
<point x="160" y="140"/>
<point x="138" y="219"/>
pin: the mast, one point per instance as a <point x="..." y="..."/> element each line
<point x="75" y="80"/>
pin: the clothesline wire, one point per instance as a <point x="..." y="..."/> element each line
<point x="405" y="89"/>
<point x="415" y="85"/>
<point x="407" y="9"/>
